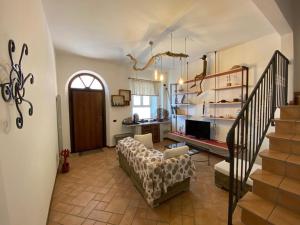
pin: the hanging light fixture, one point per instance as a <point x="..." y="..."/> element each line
<point x="155" y="74"/>
<point x="161" y="76"/>
<point x="180" y="81"/>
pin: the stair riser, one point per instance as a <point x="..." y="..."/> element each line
<point x="293" y="171"/>
<point x="295" y="147"/>
<point x="285" y="127"/>
<point x="274" y="166"/>
<point x="298" y="128"/>
<point x="265" y="191"/>
<point x="281" y="168"/>
<point x="284" y="198"/>
<point x="292" y="113"/>
<point x="289" y="200"/>
<point x="249" y="218"/>
<point x="284" y="145"/>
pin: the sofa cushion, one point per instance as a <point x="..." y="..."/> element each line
<point x="145" y="139"/>
<point x="223" y="167"/>
<point x="174" y="152"/>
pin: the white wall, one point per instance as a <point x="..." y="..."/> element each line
<point x="296" y="27"/>
<point x="28" y="156"/>
<point x="255" y="54"/>
<point x="114" y="75"/>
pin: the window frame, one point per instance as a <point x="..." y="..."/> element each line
<point x="142" y="105"/>
<point x="78" y="76"/>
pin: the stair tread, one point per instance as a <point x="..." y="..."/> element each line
<point x="266" y="177"/>
<point x="290" y="106"/>
<point x="286" y="120"/>
<point x="268" y="153"/>
<point x="296" y="137"/>
<point x="280" y="136"/>
<point x="256" y="205"/>
<point x="290" y="185"/>
<point x="294" y="159"/>
<point x="284" y="216"/>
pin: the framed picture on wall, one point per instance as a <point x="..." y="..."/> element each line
<point x="118" y="100"/>
<point x="126" y="94"/>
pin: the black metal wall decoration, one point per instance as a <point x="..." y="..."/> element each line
<point x="14" y="90"/>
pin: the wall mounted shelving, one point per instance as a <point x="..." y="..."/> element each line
<point x="243" y="85"/>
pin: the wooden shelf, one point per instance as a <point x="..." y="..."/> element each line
<point x="183" y="115"/>
<point x="218" y="118"/>
<point x="226" y="103"/>
<point x="243" y="68"/>
<point x="229" y="87"/>
<point x="187" y="93"/>
<point x="182" y="104"/>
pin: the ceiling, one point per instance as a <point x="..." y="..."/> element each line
<point x="111" y="29"/>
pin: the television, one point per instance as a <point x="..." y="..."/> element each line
<point x="198" y="129"/>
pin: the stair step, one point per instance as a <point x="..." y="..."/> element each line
<point x="290" y="112"/>
<point x="258" y="211"/>
<point x="274" y="161"/>
<point x="283" y="216"/>
<point x="255" y="210"/>
<point x="266" y="184"/>
<point x="285" y="126"/>
<point x="289" y="194"/>
<point x="278" y="189"/>
<point x="293" y="166"/>
<point x="284" y="143"/>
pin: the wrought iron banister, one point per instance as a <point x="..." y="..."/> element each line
<point x="248" y="131"/>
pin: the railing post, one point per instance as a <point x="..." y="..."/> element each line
<point x="230" y="143"/>
<point x="274" y="93"/>
<point x="286" y="71"/>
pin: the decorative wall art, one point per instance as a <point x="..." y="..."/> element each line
<point x="117" y="100"/>
<point x="127" y="95"/>
<point x="14" y="89"/>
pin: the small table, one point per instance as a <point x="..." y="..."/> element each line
<point x="192" y="150"/>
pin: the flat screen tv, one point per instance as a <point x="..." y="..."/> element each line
<point x="198" y="129"/>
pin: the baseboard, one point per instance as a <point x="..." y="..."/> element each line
<point x="112" y="146"/>
<point x="49" y="208"/>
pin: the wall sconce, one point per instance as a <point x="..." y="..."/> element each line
<point x="14" y="90"/>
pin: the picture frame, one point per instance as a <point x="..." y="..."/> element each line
<point x="117" y="100"/>
<point x="126" y="94"/>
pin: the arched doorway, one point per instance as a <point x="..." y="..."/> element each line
<point x="87" y="112"/>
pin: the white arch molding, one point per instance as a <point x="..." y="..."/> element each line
<point x="107" y="105"/>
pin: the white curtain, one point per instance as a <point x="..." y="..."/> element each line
<point x="144" y="87"/>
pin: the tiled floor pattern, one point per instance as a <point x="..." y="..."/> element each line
<point x="97" y="192"/>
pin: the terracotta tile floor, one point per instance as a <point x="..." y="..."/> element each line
<point x="97" y="192"/>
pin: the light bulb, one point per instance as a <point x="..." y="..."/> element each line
<point x="180" y="81"/>
<point x="161" y="78"/>
<point x="155" y="75"/>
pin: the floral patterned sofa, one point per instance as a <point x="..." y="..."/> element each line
<point x="156" y="178"/>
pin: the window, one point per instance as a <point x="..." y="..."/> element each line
<point x="88" y="81"/>
<point x="142" y="106"/>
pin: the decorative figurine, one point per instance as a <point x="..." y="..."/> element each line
<point x="201" y="76"/>
<point x="66" y="166"/>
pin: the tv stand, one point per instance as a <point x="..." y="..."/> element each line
<point x="214" y="147"/>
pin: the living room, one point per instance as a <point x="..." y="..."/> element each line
<point x="163" y="110"/>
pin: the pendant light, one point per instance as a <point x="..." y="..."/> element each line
<point x="161" y="76"/>
<point x="180" y="81"/>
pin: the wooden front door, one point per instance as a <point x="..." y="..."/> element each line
<point x="87" y="119"/>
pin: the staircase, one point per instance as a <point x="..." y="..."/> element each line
<point x="276" y="188"/>
<point x="275" y="198"/>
